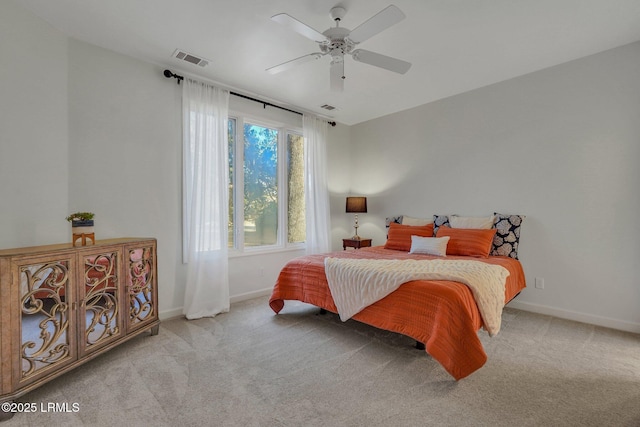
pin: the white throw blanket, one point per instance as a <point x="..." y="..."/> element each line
<point x="358" y="283"/>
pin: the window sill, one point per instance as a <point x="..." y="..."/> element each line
<point x="264" y="251"/>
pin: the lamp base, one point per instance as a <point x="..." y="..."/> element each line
<point x="355" y="235"/>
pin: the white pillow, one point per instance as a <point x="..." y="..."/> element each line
<point x="429" y="245"/>
<point x="408" y="220"/>
<point x="471" y="222"/>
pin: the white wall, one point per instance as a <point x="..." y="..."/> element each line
<point x="560" y="145"/>
<point x="125" y="155"/>
<point x="33" y="130"/>
<point x="339" y="182"/>
<point x="95" y="130"/>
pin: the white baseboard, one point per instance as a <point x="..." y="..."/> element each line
<point x="170" y="314"/>
<point x="606" y="322"/>
<point x="177" y="312"/>
<point x="251" y="295"/>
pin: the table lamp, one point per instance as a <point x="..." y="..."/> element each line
<point x="356" y="205"/>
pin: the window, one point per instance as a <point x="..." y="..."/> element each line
<point x="260" y="185"/>
<point x="266" y="190"/>
<point x="232" y="142"/>
<point x="295" y="186"/>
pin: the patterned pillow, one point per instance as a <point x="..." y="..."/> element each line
<point x="396" y="219"/>
<point x="505" y="242"/>
<point x="392" y="219"/>
<point x="438" y="221"/>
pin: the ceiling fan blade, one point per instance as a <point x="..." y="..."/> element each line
<point x="336" y="74"/>
<point x="290" y="64"/>
<point x="299" y="27"/>
<point x="382" y="61"/>
<point x="376" y="24"/>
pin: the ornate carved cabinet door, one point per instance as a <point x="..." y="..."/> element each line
<point x="100" y="311"/>
<point x="44" y="305"/>
<point x="61" y="305"/>
<point x="141" y="271"/>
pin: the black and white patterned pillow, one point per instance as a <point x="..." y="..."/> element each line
<point x="389" y="220"/>
<point x="507" y="238"/>
<point x="439" y="221"/>
<point x="396" y="219"/>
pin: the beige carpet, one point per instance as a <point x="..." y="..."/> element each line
<point x="250" y="367"/>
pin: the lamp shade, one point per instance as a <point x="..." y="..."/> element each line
<point x="357" y="204"/>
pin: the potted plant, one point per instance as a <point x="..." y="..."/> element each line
<point x="81" y="219"/>
<point x="82" y="227"/>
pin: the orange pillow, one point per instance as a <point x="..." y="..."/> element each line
<point x="399" y="236"/>
<point x="468" y="241"/>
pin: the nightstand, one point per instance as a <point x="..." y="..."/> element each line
<point x="351" y="243"/>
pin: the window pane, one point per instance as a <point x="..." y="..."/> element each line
<point x="260" y="185"/>
<point x="232" y="143"/>
<point x="295" y="175"/>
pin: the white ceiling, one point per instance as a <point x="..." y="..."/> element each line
<point x="454" y="45"/>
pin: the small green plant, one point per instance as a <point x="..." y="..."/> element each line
<point x="80" y="216"/>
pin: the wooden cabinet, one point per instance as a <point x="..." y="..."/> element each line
<point x="61" y="305"/>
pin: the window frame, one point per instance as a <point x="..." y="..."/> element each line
<point x="282" y="242"/>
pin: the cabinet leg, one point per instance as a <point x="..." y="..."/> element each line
<point x="155" y="329"/>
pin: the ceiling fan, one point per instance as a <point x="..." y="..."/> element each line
<point x="339" y="41"/>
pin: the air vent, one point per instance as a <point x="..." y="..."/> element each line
<point x="328" y="107"/>
<point x="181" y="54"/>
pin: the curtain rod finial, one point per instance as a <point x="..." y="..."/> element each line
<point x="168" y="74"/>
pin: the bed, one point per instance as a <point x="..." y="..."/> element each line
<point x="441" y="314"/>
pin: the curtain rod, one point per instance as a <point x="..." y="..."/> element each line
<point x="168" y="74"/>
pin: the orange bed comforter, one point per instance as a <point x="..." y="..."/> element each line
<point x="441" y="314"/>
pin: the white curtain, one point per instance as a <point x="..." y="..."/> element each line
<point x="205" y="111"/>
<point x="316" y="192"/>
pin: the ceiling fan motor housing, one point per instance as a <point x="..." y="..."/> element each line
<point x="337" y="42"/>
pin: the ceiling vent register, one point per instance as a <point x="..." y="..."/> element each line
<point x="181" y="54"/>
